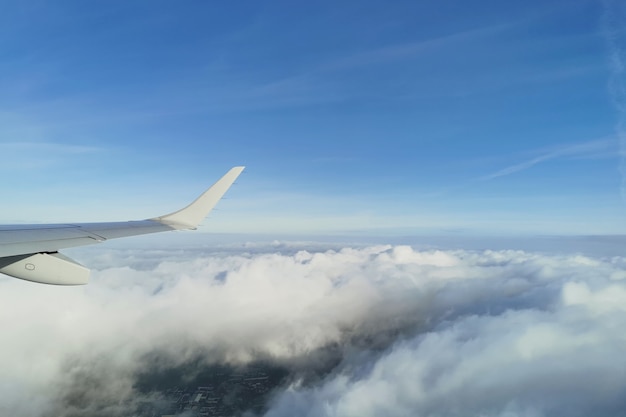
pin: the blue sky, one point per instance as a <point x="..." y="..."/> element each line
<point x="401" y="117"/>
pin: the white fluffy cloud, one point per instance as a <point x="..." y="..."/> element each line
<point x="500" y="333"/>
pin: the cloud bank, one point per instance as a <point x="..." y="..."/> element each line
<point x="379" y="330"/>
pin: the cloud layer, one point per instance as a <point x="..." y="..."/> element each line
<point x="390" y="330"/>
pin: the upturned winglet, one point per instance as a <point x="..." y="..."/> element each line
<point x="191" y="216"/>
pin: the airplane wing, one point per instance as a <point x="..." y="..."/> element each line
<point x="31" y="252"/>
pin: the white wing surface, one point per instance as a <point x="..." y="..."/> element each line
<point x="31" y="251"/>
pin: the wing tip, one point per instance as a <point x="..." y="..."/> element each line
<point x="192" y="215"/>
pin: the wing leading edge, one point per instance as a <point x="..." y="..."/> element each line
<point x="31" y="251"/>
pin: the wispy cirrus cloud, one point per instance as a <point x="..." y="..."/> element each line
<point x="599" y="148"/>
<point x="614" y="29"/>
<point x="57" y="148"/>
<point x="38" y="155"/>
